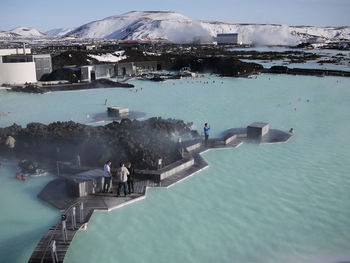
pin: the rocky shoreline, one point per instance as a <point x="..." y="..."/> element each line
<point x="142" y="142"/>
<point x="200" y="59"/>
<point x="96" y="84"/>
<point x="304" y="71"/>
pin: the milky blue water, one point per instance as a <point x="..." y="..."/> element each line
<point x="23" y="218"/>
<point x="311" y="64"/>
<point x="325" y="54"/>
<point x="258" y="203"/>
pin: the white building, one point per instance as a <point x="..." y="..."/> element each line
<point x="14" y="51"/>
<point x="315" y="40"/>
<point x="229" y="39"/>
<point x="93" y="72"/>
<point x="18" y="66"/>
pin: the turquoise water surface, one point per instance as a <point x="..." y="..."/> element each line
<point x="23" y="217"/>
<point x="258" y="203"/>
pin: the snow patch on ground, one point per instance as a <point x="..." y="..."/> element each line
<point x="110" y="57"/>
<point x="151" y="54"/>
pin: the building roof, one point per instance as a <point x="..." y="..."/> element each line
<point x="226" y="35"/>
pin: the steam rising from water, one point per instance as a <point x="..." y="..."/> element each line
<point x="187" y="33"/>
<point x="274" y="35"/>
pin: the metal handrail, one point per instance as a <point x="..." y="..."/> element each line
<point x="66" y="212"/>
<point x="47" y="246"/>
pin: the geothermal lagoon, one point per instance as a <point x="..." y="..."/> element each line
<point x="286" y="202"/>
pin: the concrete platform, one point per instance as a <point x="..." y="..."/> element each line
<point x="272" y="136"/>
<point x="117" y="111"/>
<point x="85" y="187"/>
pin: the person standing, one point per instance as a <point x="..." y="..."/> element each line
<point x="206" y="133"/>
<point x="107" y="175"/>
<point x="130" y="177"/>
<point x="123" y="178"/>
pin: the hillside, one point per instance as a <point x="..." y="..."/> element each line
<point x="150" y="25"/>
<point x="177" y="28"/>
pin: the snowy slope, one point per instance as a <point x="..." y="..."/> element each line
<point x="133" y="25"/>
<point x="59" y="32"/>
<point x="178" y="28"/>
<point x="110" y="57"/>
<point x="27" y="32"/>
<point x="5" y="34"/>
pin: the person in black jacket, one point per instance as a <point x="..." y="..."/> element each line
<point x="130" y="177"/>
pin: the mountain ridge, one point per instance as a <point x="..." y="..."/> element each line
<point x="177" y="28"/>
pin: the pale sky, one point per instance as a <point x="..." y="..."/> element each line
<point x="45" y="15"/>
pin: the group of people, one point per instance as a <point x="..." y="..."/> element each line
<point x="125" y="173"/>
<point x="125" y="178"/>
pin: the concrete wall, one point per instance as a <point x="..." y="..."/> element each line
<point x="196" y="145"/>
<point x="85" y="73"/>
<point x="104" y="71"/>
<point x="43" y="65"/>
<point x="131" y="68"/>
<point x="17" y="73"/>
<point x="125" y="69"/>
<point x="167" y="171"/>
<point x="12" y="51"/>
<point x="224" y="141"/>
<point x="100" y="71"/>
<point x="177" y="167"/>
<point x="85" y="183"/>
<point x="146" y="66"/>
<point x="227" y="39"/>
<point x="257" y="129"/>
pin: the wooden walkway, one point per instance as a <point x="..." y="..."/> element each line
<point x="109" y="201"/>
<point x="100" y="201"/>
<point x="42" y="252"/>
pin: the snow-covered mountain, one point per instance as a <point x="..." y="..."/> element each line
<point x="137" y="25"/>
<point x="5" y="34"/>
<point x="177" y="28"/>
<point x="27" y="32"/>
<point x="59" y="32"/>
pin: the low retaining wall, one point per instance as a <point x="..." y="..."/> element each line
<point x="85" y="183"/>
<point x="193" y="145"/>
<point x="224" y="141"/>
<point x="167" y="171"/>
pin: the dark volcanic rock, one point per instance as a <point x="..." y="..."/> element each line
<point x="110" y="83"/>
<point x="141" y="142"/>
<point x="279" y="69"/>
<point x="99" y="83"/>
<point x="78" y="58"/>
<point x="30" y="88"/>
<point x="71" y="75"/>
<point x="306" y="71"/>
<point x="224" y="66"/>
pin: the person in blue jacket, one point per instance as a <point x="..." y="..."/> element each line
<point x="206" y="133"/>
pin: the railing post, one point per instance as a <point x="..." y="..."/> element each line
<point x="81" y="212"/>
<point x="94" y="184"/>
<point x="53" y="251"/>
<point x="160" y="161"/>
<point x="58" y="168"/>
<point x="64" y="228"/>
<point x="74" y="225"/>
